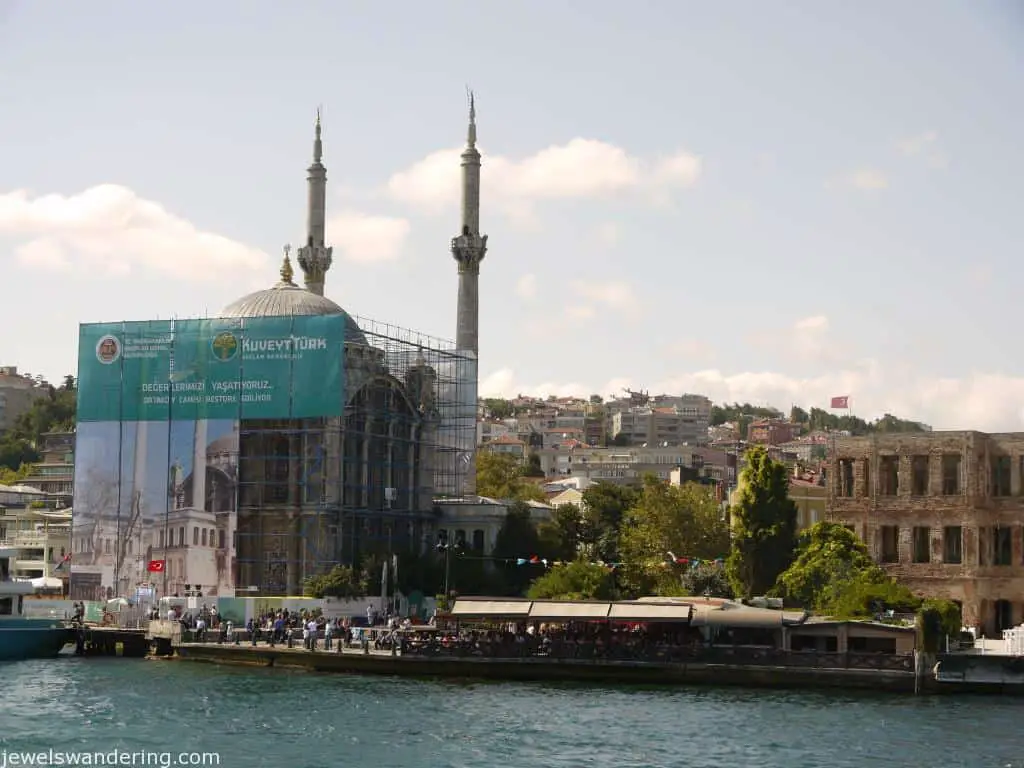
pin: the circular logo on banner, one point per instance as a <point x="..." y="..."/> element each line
<point x="108" y="350"/>
<point x="224" y="346"/>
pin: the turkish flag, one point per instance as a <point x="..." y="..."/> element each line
<point x="841" y="402"/>
<point x="155" y="566"/>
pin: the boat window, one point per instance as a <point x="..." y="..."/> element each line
<point x="6" y="606"/>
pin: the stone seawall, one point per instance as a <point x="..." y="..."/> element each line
<point x="552" y="670"/>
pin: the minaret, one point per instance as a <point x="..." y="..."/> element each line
<point x="470" y="246"/>
<point x="315" y="257"/>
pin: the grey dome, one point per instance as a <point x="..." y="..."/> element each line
<point x="286" y="299"/>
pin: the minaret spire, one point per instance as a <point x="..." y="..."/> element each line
<point x="469" y="247"/>
<point x="315" y="256"/>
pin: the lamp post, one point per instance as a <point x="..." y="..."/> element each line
<point x="443" y="545"/>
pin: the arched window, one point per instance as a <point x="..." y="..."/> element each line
<point x="204" y="537"/>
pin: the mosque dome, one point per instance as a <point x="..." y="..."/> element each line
<point x="285" y="299"/>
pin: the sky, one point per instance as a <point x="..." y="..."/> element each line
<point x="777" y="202"/>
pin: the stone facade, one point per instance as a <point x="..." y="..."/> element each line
<point x="943" y="512"/>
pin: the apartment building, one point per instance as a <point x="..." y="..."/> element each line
<point x="943" y="512"/>
<point x="41" y="534"/>
<point x="54" y="475"/>
<point x="17" y="393"/>
<point x="629" y="465"/>
<point x="771" y="431"/>
<point x="665" y="420"/>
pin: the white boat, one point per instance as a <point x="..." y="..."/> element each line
<point x="21" y="636"/>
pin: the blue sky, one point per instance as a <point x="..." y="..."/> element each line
<point x="776" y="202"/>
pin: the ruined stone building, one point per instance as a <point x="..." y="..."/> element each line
<point x="943" y="512"/>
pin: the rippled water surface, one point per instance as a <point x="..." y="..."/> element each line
<point x="298" y="720"/>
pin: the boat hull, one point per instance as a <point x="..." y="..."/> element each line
<point x="31" y="638"/>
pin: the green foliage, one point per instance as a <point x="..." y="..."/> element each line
<point x="706" y="579"/>
<point x="500" y="476"/>
<point x="764" y="526"/>
<point x="342" y="581"/>
<point x="720" y="414"/>
<point x="937" y="620"/>
<point x="562" y="535"/>
<point x="833" y="573"/>
<point x="579" y="580"/>
<point x="499" y="408"/>
<point x="827" y="554"/>
<point x="54" y="410"/>
<point x="868" y="594"/>
<point x="605" y="506"/>
<point x="685" y="520"/>
<point x="817" y="419"/>
<point x="14" y="476"/>
<point x="517" y="538"/>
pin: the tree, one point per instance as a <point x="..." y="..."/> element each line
<point x="14" y="476"/>
<point x="517" y="538"/>
<point x="684" y="520"/>
<point x="562" y="535"/>
<point x="500" y="476"/>
<point x="499" y="408"/>
<point x="604" y="507"/>
<point x="833" y="573"/>
<point x="578" y="580"/>
<point x="707" y="579"/>
<point x="764" y="526"/>
<point x="341" y="581"/>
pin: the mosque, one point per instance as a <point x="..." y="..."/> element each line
<point x="266" y="504"/>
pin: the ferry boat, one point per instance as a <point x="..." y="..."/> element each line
<point x="21" y="636"/>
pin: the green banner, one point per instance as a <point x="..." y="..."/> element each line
<point x="252" y="368"/>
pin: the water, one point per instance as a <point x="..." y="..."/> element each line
<point x="284" y="719"/>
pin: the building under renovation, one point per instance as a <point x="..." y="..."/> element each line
<point x="943" y="512"/>
<point x="190" y="482"/>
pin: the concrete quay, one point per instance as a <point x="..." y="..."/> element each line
<point x="539" y="669"/>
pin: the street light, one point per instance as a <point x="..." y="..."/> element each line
<point x="443" y="545"/>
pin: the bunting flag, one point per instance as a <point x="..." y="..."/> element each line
<point x="692" y="562"/>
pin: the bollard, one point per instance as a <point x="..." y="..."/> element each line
<point x="394" y="649"/>
<point x="238" y="639"/>
<point x="252" y="637"/>
<point x="366" y="647"/>
<point x="289" y="638"/>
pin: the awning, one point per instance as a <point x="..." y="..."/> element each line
<point x="649" y="612"/>
<point x="499" y="609"/>
<point x="752" y="618"/>
<point x="47" y="582"/>
<point x="568" y="610"/>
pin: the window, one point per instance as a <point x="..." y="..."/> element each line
<point x="1002" y="545"/>
<point x="195" y="536"/>
<point x="888" y="475"/>
<point x="922" y="544"/>
<point x="478" y="540"/>
<point x="865" y="467"/>
<point x="918" y="475"/>
<point x="890" y="551"/>
<point x="213" y="535"/>
<point x="203" y="538"/>
<point x="220" y="539"/>
<point x="845" y="478"/>
<point x="953" y="544"/>
<point x="1000" y="475"/>
<point x="951" y="474"/>
<point x="181" y="536"/>
<point x="161" y="538"/>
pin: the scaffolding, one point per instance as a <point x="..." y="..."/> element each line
<point x="256" y="506"/>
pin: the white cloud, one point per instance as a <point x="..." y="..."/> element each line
<point x="980" y="400"/>
<point x="614" y="294"/>
<point x="526" y="287"/>
<point x="367" y="238"/>
<point x="868" y="179"/>
<point x="607" y="234"/>
<point x="926" y="147"/>
<point x="579" y="169"/>
<point x="111" y="229"/>
<point x="579" y="312"/>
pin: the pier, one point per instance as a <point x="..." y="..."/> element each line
<point x="742" y="672"/>
<point x="91" y="640"/>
